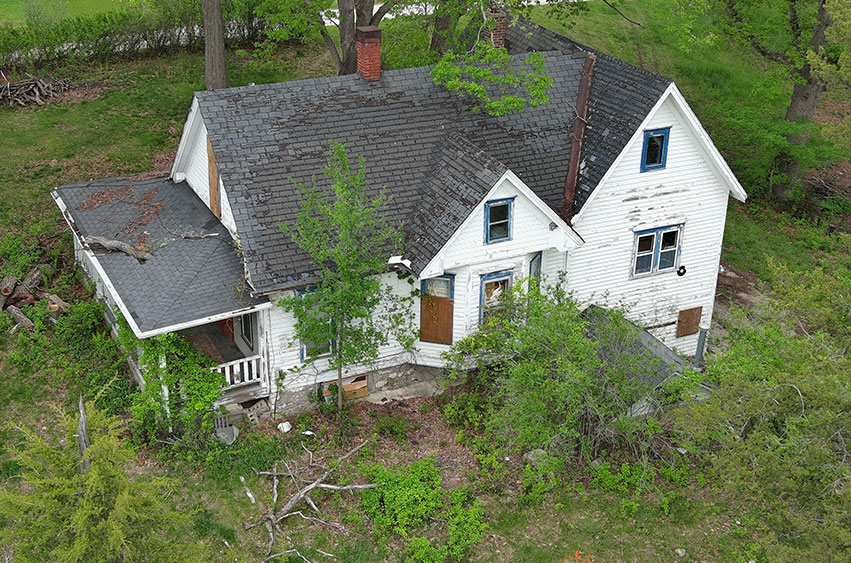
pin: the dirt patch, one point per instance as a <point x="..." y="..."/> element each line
<point x="97" y="199"/>
<point x="147" y="210"/>
<point x="85" y="92"/>
<point x="832" y="110"/>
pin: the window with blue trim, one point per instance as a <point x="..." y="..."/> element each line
<point x="310" y="349"/>
<point x="655" y="150"/>
<point x="535" y="265"/>
<point x="498" y="220"/>
<point x="492" y="290"/>
<point x="657" y="250"/>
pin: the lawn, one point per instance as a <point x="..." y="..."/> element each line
<point x="12" y="11"/>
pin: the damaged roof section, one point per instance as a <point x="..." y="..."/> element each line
<point x="464" y="174"/>
<point x="194" y="271"/>
<point x="621" y="97"/>
<point x="268" y="137"/>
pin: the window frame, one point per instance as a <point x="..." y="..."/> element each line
<point x="449" y="277"/>
<point x="248" y="319"/>
<point x="302" y="346"/>
<point x="665" y="132"/>
<point x="507" y="275"/>
<point x="509" y="201"/>
<point x="539" y="256"/>
<point x="658" y="234"/>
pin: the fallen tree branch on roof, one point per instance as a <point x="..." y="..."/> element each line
<point x="272" y="517"/>
<point x="118" y="246"/>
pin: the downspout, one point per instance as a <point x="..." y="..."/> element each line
<point x="566" y="209"/>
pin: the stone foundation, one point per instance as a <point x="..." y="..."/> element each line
<point x="384" y="385"/>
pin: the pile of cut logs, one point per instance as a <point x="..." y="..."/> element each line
<point x="16" y="294"/>
<point x="31" y="90"/>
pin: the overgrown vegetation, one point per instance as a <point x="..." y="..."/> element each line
<point x="87" y="508"/>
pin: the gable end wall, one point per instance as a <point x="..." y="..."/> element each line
<point x="687" y="191"/>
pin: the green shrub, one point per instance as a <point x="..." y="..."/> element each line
<point x="420" y="550"/>
<point x="393" y="426"/>
<point x="465" y="522"/>
<point x="405" y="498"/>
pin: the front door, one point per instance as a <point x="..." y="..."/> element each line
<point x="437" y="307"/>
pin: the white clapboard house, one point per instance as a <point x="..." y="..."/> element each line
<point x="614" y="183"/>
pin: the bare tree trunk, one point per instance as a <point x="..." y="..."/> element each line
<point x="82" y="436"/>
<point x="805" y="97"/>
<point x="348" y="47"/>
<point x="444" y="24"/>
<point x="215" y="69"/>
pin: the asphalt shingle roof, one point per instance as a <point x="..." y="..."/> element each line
<point x="462" y="174"/>
<point x="621" y="97"/>
<point x="267" y="137"/>
<point x="187" y="278"/>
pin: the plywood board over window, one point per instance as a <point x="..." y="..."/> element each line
<point x="688" y="321"/>
<point x="213" y="174"/>
<point x="436" y="311"/>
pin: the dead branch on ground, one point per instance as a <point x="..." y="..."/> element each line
<point x="272" y="517"/>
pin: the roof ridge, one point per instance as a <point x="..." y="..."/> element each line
<point x="581" y="46"/>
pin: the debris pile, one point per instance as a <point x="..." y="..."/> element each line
<point x="17" y="294"/>
<point x="31" y="91"/>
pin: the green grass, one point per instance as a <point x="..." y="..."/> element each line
<point x="11" y="11"/>
<point x="755" y="232"/>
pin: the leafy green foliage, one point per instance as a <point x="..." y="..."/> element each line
<point x="393" y="426"/>
<point x="557" y="382"/>
<point x="130" y="28"/>
<point x="349" y="240"/>
<point x="100" y="515"/>
<point x="500" y="86"/>
<point x="180" y="388"/>
<point x="776" y="429"/>
<point x="405" y="498"/>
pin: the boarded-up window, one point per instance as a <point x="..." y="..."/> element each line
<point x="436" y="311"/>
<point x="688" y="321"/>
<point x="353" y="388"/>
<point x="213" y="173"/>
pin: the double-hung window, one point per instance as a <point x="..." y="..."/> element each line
<point x="498" y="220"/>
<point x="494" y="286"/>
<point x="655" y="150"/>
<point x="656" y="250"/>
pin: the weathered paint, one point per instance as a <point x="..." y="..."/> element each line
<point x="687" y="191"/>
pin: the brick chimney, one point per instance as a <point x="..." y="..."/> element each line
<point x="369" y="51"/>
<point x="500" y="24"/>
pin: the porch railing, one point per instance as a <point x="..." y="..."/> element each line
<point x="241" y="372"/>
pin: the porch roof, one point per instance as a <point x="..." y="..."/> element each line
<point x="194" y="275"/>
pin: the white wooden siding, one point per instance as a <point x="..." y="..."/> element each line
<point x="196" y="170"/>
<point x="686" y="191"/>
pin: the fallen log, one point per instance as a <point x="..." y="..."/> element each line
<point x="7" y="286"/>
<point x="55" y="302"/>
<point x="20" y="318"/>
<point x="23" y="294"/>
<point x="118" y="246"/>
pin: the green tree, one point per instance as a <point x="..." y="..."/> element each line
<point x="810" y="39"/>
<point x="349" y="240"/>
<point x="70" y="508"/>
<point x="558" y="379"/>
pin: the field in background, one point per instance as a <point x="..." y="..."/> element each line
<point x="12" y="11"/>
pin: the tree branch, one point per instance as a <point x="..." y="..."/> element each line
<point x="382" y="11"/>
<point x="621" y="14"/>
